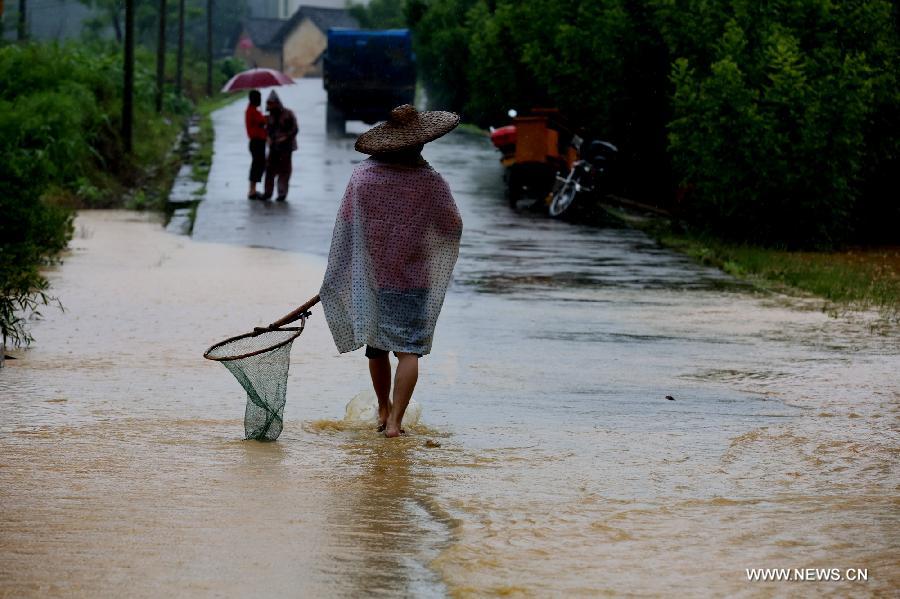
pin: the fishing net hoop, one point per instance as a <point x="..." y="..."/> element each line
<point x="256" y="333"/>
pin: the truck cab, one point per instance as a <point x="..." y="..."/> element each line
<point x="367" y="73"/>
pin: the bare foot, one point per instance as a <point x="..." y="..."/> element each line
<point x="392" y="430"/>
<point x="383" y="413"/>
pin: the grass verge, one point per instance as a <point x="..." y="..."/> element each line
<point x="202" y="159"/>
<point x="156" y="164"/>
<point x="854" y="278"/>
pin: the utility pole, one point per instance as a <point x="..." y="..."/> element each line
<point x="179" y="61"/>
<point x="209" y="46"/>
<point x="23" y="23"/>
<point x="128" y="91"/>
<point x="161" y="56"/>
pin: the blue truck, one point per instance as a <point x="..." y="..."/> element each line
<point x="367" y="73"/>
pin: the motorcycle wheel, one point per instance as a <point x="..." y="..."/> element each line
<point x="563" y="199"/>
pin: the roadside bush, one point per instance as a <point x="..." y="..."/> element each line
<point x="600" y="62"/>
<point x="379" y="14"/>
<point x="442" y="49"/>
<point x="776" y="122"/>
<point x="61" y="148"/>
<point x="32" y="233"/>
<point x="230" y="66"/>
<point x="772" y="130"/>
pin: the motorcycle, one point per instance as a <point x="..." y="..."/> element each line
<point x="530" y="152"/>
<point x="586" y="177"/>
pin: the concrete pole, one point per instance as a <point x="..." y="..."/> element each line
<point x="209" y="46"/>
<point x="23" y="22"/>
<point x="128" y="90"/>
<point x="179" y="67"/>
<point x="161" y="56"/>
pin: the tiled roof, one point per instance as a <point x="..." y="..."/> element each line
<point x="326" y="18"/>
<point x="323" y="18"/>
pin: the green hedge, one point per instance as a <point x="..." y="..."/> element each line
<point x="784" y="113"/>
<point x="61" y="148"/>
<point x="774" y="122"/>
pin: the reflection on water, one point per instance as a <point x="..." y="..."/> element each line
<point x="562" y="468"/>
<point x="385" y="522"/>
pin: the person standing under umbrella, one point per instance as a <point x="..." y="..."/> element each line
<point x="256" y="131"/>
<point x="282" y="130"/>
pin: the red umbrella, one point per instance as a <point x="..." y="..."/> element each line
<point x="256" y="78"/>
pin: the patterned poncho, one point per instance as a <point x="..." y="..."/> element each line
<point x="396" y="240"/>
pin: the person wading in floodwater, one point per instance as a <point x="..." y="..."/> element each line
<point x="395" y="243"/>
<point x="256" y="131"/>
<point x="282" y="129"/>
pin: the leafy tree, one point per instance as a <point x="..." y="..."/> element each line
<point x="773" y="120"/>
<point x="442" y="50"/>
<point x="111" y="13"/>
<point x="500" y="76"/>
<point x="779" y="121"/>
<point x="380" y="14"/>
<point x="32" y="232"/>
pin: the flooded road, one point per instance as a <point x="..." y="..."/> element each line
<point x="562" y="467"/>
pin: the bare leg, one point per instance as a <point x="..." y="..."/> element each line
<point x="404" y="384"/>
<point x="380" y="370"/>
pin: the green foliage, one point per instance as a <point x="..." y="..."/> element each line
<point x="775" y="121"/>
<point x="596" y="60"/>
<point x="855" y="278"/>
<point x="49" y="116"/>
<point x="109" y="16"/>
<point x="498" y="82"/>
<point x="230" y="66"/>
<point x="32" y="232"/>
<point x="442" y="49"/>
<point x="60" y="148"/>
<point x="380" y="14"/>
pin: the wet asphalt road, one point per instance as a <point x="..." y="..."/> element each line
<point x="539" y="312"/>
<point x="500" y="247"/>
<point x="557" y="467"/>
<point x="556" y="348"/>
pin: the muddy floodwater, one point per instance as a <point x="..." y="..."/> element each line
<point x="547" y="460"/>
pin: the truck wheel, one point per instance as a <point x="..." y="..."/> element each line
<point x="335" y="123"/>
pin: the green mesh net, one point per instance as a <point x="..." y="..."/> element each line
<point x="259" y="361"/>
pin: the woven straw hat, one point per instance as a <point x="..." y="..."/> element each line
<point x="406" y="127"/>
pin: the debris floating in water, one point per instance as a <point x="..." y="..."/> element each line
<point x="670" y="398"/>
<point x="432" y="443"/>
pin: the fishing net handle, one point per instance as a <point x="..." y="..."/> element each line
<point x="301" y="312"/>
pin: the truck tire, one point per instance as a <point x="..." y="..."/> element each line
<point x="513" y="191"/>
<point x="335" y="123"/>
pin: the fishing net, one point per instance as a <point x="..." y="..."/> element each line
<point x="259" y="361"/>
